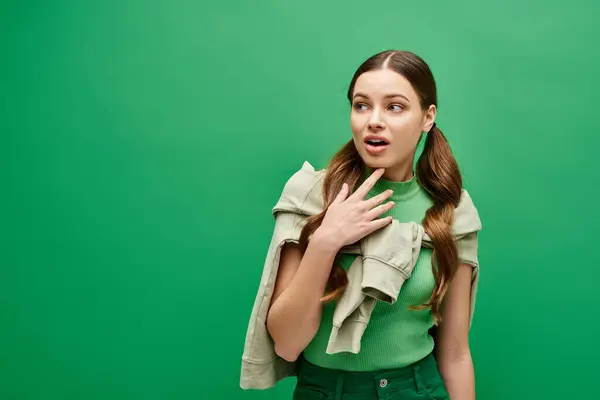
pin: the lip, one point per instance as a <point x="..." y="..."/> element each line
<point x="376" y="149"/>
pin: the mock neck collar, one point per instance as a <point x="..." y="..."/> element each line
<point x="403" y="190"/>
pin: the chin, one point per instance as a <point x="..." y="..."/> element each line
<point x="386" y="161"/>
<point x="376" y="162"/>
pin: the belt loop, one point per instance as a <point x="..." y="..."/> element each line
<point x="339" y="386"/>
<point x="418" y="381"/>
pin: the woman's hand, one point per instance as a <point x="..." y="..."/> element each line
<point x="349" y="219"/>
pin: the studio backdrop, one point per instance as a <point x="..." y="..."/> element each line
<point x="144" y="144"/>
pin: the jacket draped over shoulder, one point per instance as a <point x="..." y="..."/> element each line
<point x="385" y="261"/>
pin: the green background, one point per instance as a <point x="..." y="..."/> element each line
<point x="145" y="142"/>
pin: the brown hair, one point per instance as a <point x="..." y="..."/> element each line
<point x="437" y="172"/>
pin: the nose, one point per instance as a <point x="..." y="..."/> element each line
<point x="375" y="123"/>
<point x="375" y="126"/>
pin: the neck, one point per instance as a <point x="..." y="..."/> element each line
<point x="404" y="188"/>
<point x="399" y="176"/>
<point x="400" y="173"/>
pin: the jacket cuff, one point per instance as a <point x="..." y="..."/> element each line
<point x="382" y="280"/>
<point x="385" y="267"/>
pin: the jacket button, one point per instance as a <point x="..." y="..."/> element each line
<point x="383" y="383"/>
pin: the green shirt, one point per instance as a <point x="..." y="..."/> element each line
<point x="396" y="336"/>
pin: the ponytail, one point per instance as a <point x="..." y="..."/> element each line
<point x="438" y="174"/>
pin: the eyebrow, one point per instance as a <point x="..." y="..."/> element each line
<point x="387" y="96"/>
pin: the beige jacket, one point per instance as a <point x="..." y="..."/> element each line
<point x="387" y="258"/>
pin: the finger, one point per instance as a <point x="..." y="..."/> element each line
<point x="368" y="184"/>
<point x="379" y="210"/>
<point x="379" y="223"/>
<point x="341" y="196"/>
<point x="375" y="200"/>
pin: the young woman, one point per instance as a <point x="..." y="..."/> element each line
<point x="369" y="182"/>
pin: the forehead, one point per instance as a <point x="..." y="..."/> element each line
<point x="383" y="82"/>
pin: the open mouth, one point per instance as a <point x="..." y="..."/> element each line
<point x="377" y="143"/>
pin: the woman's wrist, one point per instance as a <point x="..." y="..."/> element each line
<point x="325" y="241"/>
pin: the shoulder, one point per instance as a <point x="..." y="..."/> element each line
<point x="303" y="191"/>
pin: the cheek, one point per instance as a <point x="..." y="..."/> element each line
<point x="357" y="124"/>
<point x="404" y="128"/>
<point x="400" y="122"/>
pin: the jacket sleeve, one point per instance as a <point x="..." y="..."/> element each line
<point x="261" y="367"/>
<point x="467" y="254"/>
<point x="389" y="257"/>
<point x="467" y="226"/>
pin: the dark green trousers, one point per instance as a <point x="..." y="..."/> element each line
<point x="421" y="380"/>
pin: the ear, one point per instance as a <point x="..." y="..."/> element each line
<point x="429" y="118"/>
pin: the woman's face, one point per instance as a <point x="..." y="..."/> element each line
<point x="387" y="121"/>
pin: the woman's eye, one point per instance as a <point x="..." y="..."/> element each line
<point x="396" y="107"/>
<point x="360" y="106"/>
